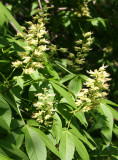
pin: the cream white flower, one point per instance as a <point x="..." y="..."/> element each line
<point x="45" y="89"/>
<point x="17" y="63"/>
<point x="42" y="48"/>
<point x="79" y="42"/>
<point x="44" y="41"/>
<point x="38" y="104"/>
<point x="20" y="34"/>
<point x="49" y="103"/>
<point x="51" y="95"/>
<point x="37" y="65"/>
<point x="90" y="98"/>
<point x="44" y="105"/>
<point x="78" y="102"/>
<point x="33" y="42"/>
<point x="32" y="27"/>
<point x="38" y="53"/>
<point x="28" y="71"/>
<point x="39" y="94"/>
<point x="26" y="59"/>
<point x="28" y="48"/>
<point x="47" y="117"/>
<point x="87" y="34"/>
<point x="103" y="67"/>
<point x="80" y="94"/>
<point x="41" y="33"/>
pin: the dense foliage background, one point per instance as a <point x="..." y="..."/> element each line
<point x="49" y="108"/>
<point x="65" y="25"/>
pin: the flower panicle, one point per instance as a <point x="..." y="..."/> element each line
<point x="44" y="108"/>
<point x="96" y="87"/>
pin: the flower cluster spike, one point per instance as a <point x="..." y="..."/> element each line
<point x="44" y="108"/>
<point x="82" y="10"/>
<point x="83" y="46"/>
<point x="96" y="88"/>
<point x="36" y="46"/>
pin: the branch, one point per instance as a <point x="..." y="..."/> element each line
<point x="17" y="31"/>
<point x="39" y="1"/>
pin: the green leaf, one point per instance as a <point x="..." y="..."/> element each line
<point x="109" y="102"/>
<point x="62" y="67"/>
<point x="53" y="73"/>
<point x="89" y="137"/>
<point x="32" y="122"/>
<point x="57" y="127"/>
<point x="113" y="111"/>
<point x="10" y="17"/>
<point x="3" y="157"/>
<point x="32" y="90"/>
<point x="80" y="115"/>
<point x="106" y="132"/>
<point x="75" y="85"/>
<point x="3" y="103"/>
<point x="9" y="98"/>
<point x="4" y="61"/>
<point x="2" y="17"/>
<point x="65" y="112"/>
<point x="13" y="149"/>
<point x="19" y="80"/>
<point x="80" y="148"/>
<point x="96" y="21"/>
<point x="66" y="147"/>
<point x="115" y="130"/>
<point x="5" y="114"/>
<point x="67" y="78"/>
<point x="3" y="123"/>
<point x="83" y="77"/>
<point x="35" y="75"/>
<point x="17" y="91"/>
<point x="35" y="147"/>
<point x="107" y="113"/>
<point x="16" y="137"/>
<point x="2" y="152"/>
<point x="81" y="136"/>
<point x="114" y="157"/>
<point x="3" y="42"/>
<point x="34" y="5"/>
<point x="15" y="123"/>
<point x="33" y="12"/>
<point x="65" y="94"/>
<point x="47" y="141"/>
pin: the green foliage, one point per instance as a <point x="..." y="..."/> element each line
<point x="6" y="13"/>
<point x="49" y="109"/>
<point x="34" y="145"/>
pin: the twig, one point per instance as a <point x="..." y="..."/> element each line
<point x="17" y="31"/>
<point x="39" y="1"/>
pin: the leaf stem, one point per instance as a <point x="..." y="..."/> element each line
<point x="17" y="31"/>
<point x="39" y="1"/>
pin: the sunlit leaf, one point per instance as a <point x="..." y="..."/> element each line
<point x="57" y="127"/>
<point x="34" y="145"/>
<point x="10" y="17"/>
<point x="66" y="147"/>
<point x="65" y="94"/>
<point x="75" y="85"/>
<point x="47" y="141"/>
<point x="80" y="148"/>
